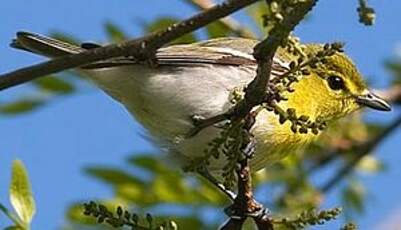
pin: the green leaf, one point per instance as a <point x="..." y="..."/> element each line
<point x="149" y="163"/>
<point x="54" y="85"/>
<point x="113" y="176"/>
<point x="164" y="22"/>
<point x="217" y="29"/>
<point x="14" y="228"/>
<point x="20" y="106"/>
<point x="256" y="12"/>
<point x="168" y="188"/>
<point x="353" y="197"/>
<point x="20" y="193"/>
<point x="114" y="33"/>
<point x="370" y="164"/>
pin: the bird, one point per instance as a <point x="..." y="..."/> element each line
<point x="201" y="79"/>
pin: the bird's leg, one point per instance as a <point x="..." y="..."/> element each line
<point x="200" y="122"/>
<point x="204" y="172"/>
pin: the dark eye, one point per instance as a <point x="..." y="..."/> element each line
<point x="336" y="82"/>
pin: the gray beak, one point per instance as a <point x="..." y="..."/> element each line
<point x="373" y="101"/>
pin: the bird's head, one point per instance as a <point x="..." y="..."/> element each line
<point x="333" y="90"/>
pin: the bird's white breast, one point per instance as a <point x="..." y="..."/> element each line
<point x="165" y="98"/>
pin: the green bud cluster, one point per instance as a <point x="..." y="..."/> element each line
<point x="310" y="217"/>
<point x="278" y="10"/>
<point x="229" y="143"/>
<point x="123" y="218"/>
<point x="349" y="226"/>
<point x="302" y="124"/>
<point x="300" y="66"/>
<point x="366" y="14"/>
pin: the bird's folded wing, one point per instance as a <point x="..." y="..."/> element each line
<point x="220" y="51"/>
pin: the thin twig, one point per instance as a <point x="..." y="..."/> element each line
<point x="363" y="150"/>
<point x="244" y="204"/>
<point x="392" y="95"/>
<point x="142" y="48"/>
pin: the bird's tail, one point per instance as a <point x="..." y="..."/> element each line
<point x="43" y="45"/>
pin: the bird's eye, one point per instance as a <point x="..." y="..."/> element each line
<point x="336" y="82"/>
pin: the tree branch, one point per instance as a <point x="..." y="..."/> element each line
<point x="244" y="204"/>
<point x="392" y="95"/>
<point x="363" y="150"/>
<point x="142" y="48"/>
<point x="259" y="91"/>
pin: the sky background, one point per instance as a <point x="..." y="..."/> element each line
<point x="89" y="128"/>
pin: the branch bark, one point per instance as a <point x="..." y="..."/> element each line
<point x="363" y="150"/>
<point x="392" y="95"/>
<point x="141" y="48"/>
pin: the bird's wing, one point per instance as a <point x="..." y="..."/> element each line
<point x="223" y="51"/>
<point x="43" y="45"/>
<point x="220" y="51"/>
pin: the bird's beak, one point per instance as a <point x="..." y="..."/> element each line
<point x="373" y="101"/>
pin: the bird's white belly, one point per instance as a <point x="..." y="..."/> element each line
<point x="164" y="99"/>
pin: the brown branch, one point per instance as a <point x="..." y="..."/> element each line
<point x="229" y="22"/>
<point x="392" y="94"/>
<point x="141" y="48"/>
<point x="244" y="204"/>
<point x="362" y="150"/>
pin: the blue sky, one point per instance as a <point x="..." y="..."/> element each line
<point x="90" y="128"/>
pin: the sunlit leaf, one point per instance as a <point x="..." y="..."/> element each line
<point x="256" y="12"/>
<point x="114" y="33"/>
<point x="21" y="106"/>
<point x="168" y="185"/>
<point x="210" y="195"/>
<point x="148" y="162"/>
<point x="20" y="193"/>
<point x="370" y="164"/>
<point x="164" y="22"/>
<point x="113" y="176"/>
<point x="170" y="189"/>
<point x="138" y="195"/>
<point x="353" y="196"/>
<point x="54" y="85"/>
<point x="217" y="29"/>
